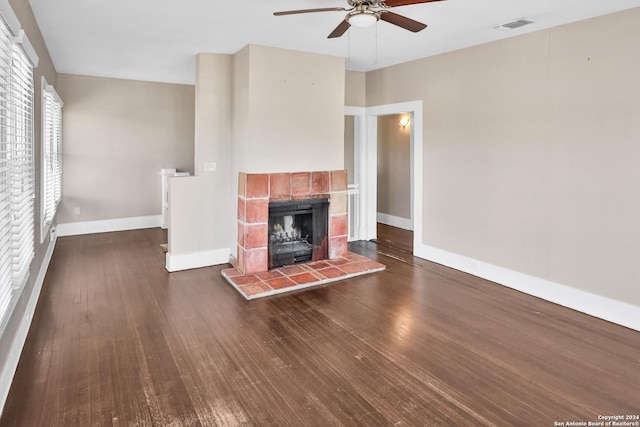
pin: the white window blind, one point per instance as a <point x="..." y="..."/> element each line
<point x="6" y="257"/>
<point x="17" y="187"/>
<point x="51" y="155"/>
<point x="22" y="173"/>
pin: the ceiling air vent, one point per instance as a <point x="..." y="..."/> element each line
<point x="513" y="25"/>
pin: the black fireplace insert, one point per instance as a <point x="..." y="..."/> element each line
<point x="298" y="231"/>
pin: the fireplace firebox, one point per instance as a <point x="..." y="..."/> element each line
<point x="298" y="231"/>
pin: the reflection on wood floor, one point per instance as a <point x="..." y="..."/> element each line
<point x="118" y="341"/>
<point x="395" y="237"/>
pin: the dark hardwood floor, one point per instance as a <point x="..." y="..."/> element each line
<point x="118" y="341"/>
<point x="395" y="237"/>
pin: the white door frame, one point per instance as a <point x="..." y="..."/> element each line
<point x="366" y="163"/>
<point x="359" y="147"/>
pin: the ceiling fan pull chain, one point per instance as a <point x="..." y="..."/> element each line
<point x="376" y="44"/>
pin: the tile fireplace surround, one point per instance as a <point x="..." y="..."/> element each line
<point x="255" y="191"/>
<point x="251" y="275"/>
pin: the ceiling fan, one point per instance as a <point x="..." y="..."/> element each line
<point x="364" y="13"/>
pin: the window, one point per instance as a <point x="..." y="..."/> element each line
<point x="22" y="173"/>
<point x="17" y="187"/>
<point x="51" y="188"/>
<point x="6" y="257"/>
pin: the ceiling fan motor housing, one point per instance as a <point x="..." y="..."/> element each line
<point x="363" y="3"/>
<point x="362" y="17"/>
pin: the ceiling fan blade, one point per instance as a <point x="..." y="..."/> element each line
<point x="395" y="3"/>
<point x="340" y="30"/>
<point x="323" y="9"/>
<point x="402" y="21"/>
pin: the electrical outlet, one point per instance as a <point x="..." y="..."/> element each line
<point x="76" y="210"/>
<point x="210" y="167"/>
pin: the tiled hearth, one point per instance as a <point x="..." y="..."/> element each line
<point x="300" y="276"/>
<point x="251" y="275"/>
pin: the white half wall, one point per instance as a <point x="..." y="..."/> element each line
<point x="192" y="224"/>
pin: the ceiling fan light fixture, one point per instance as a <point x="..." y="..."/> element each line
<point x="362" y="19"/>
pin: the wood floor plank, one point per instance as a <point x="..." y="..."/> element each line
<point x="116" y="340"/>
<point x="394" y="237"/>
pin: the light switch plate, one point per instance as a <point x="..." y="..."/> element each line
<point x="209" y="167"/>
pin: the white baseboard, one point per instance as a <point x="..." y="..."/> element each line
<point x="585" y="302"/>
<point x="395" y="221"/>
<point x="108" y="225"/>
<point x="197" y="259"/>
<point x="14" y="352"/>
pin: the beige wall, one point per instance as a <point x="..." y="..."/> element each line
<point x="241" y="128"/>
<point x="288" y="111"/>
<point x="201" y="207"/>
<point x="118" y="135"/>
<point x="355" y="96"/>
<point x="531" y="152"/>
<point x="355" y="89"/>
<point x="349" y="147"/>
<point x="213" y="114"/>
<point x="394" y="167"/>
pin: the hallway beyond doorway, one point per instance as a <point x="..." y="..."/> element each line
<point x="395" y="237"/>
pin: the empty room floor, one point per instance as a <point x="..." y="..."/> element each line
<point x="116" y="340"/>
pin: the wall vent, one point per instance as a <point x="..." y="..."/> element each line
<point x="513" y="25"/>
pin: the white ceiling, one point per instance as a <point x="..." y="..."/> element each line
<point x="157" y="40"/>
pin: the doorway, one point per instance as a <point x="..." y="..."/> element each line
<point x="393" y="213"/>
<point x="365" y="159"/>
